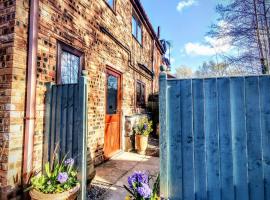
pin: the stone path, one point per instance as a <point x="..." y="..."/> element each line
<point x="112" y="175"/>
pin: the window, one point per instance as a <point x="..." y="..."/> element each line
<point x="137" y="29"/>
<point x="140" y="94"/>
<point x="111" y="3"/>
<point x="112" y="94"/>
<point x="69" y="64"/>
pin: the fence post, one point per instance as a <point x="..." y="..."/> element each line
<point x="163" y="141"/>
<point x="82" y="146"/>
<point x="47" y="130"/>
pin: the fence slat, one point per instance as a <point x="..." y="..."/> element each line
<point x="255" y="174"/>
<point x="225" y="140"/>
<point x="64" y="124"/>
<point x="47" y="130"/>
<point x="76" y="123"/>
<point x="187" y="138"/>
<point x="239" y="140"/>
<point x="163" y="118"/>
<point x="212" y="144"/>
<point x="265" y="122"/>
<point x="52" y="122"/>
<point x="199" y="140"/>
<point x="58" y="118"/>
<point x="70" y="127"/>
<point x="175" y="143"/>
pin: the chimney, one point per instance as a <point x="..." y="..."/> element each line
<point x="158" y="32"/>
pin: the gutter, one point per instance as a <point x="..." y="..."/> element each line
<point x="30" y="107"/>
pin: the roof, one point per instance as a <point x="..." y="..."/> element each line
<point x="140" y="10"/>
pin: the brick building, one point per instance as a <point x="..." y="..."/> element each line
<point x="113" y="41"/>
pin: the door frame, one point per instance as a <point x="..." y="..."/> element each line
<point x="113" y="71"/>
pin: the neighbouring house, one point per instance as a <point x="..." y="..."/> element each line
<point x="45" y="41"/>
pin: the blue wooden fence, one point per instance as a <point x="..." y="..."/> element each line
<point x="215" y="138"/>
<point x="66" y="125"/>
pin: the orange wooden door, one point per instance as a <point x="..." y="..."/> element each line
<point x="113" y="114"/>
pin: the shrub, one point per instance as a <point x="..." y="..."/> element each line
<point x="143" y="127"/>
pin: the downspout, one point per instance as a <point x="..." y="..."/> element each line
<point x="153" y="65"/>
<point x="30" y="107"/>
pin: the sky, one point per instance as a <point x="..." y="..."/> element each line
<point x="185" y="24"/>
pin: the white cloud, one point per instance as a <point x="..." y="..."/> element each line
<point x="185" y="4"/>
<point x="172" y="60"/>
<point x="211" y="45"/>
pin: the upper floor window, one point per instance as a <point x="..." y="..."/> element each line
<point x="111" y="3"/>
<point x="69" y="64"/>
<point x="137" y="29"/>
<point x="140" y="94"/>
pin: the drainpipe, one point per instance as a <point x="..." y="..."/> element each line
<point x="31" y="89"/>
<point x="153" y="65"/>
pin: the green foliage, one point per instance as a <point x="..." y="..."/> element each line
<point x="156" y="192"/>
<point x="143" y="127"/>
<point x="57" y="178"/>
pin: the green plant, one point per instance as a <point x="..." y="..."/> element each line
<point x="143" y="127"/>
<point x="57" y="178"/>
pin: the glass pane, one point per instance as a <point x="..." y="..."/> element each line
<point x="139" y="38"/>
<point x="142" y="95"/>
<point x="134" y="24"/>
<point x="110" y="2"/>
<point x="70" y="65"/>
<point x="138" y="94"/>
<point x="112" y="93"/>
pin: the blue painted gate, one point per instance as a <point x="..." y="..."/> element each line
<point x="215" y="138"/>
<point x="66" y="126"/>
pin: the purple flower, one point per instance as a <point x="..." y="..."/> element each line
<point x="144" y="191"/>
<point x="145" y="126"/>
<point x="69" y="161"/>
<point x="131" y="182"/>
<point x="62" y="177"/>
<point x="137" y="179"/>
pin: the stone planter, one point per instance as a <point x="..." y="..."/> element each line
<point x="67" y="195"/>
<point x="141" y="143"/>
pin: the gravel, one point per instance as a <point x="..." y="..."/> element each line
<point x="97" y="191"/>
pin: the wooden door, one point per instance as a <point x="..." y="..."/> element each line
<point x="113" y="114"/>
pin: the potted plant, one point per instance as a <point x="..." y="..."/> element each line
<point x="58" y="182"/>
<point x="142" y="131"/>
<point x="139" y="188"/>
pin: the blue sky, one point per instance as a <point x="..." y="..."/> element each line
<point x="184" y="23"/>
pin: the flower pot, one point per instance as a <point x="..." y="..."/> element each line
<point x="141" y="143"/>
<point x="67" y="195"/>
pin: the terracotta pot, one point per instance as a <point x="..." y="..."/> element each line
<point x="141" y="144"/>
<point x="67" y="195"/>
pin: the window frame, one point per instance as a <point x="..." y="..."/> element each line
<point x="138" y="24"/>
<point x="144" y="94"/>
<point x="67" y="48"/>
<point x="112" y="8"/>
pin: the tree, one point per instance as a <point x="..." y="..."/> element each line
<point x="247" y="26"/>
<point x="217" y="69"/>
<point x="184" y="72"/>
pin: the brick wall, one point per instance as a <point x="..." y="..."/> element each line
<point x="13" y="45"/>
<point x="76" y="23"/>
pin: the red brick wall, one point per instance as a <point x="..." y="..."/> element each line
<point x="77" y="23"/>
<point x="13" y="45"/>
